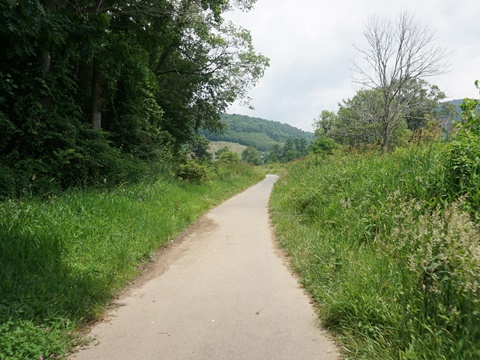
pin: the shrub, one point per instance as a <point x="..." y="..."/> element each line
<point x="229" y="156"/>
<point x="192" y="171"/>
<point x="463" y="155"/>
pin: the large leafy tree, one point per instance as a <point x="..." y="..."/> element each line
<point x="251" y="156"/>
<point x="324" y="123"/>
<point x="356" y="122"/>
<point x="214" y="65"/>
<point x="420" y="98"/>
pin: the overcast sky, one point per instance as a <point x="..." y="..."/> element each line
<point x="311" y="47"/>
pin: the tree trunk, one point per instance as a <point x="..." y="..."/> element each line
<point x="46" y="62"/>
<point x="385" y="137"/>
<point x="96" y="106"/>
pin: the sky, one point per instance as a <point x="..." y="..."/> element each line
<point x="311" y="45"/>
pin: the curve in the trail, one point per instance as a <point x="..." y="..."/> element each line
<point x="222" y="293"/>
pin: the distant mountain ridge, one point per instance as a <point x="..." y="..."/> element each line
<point x="457" y="103"/>
<point x="260" y="133"/>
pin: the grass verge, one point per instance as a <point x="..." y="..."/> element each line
<point x="391" y="262"/>
<point x="64" y="258"/>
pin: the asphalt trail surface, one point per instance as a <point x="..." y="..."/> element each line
<point x="221" y="292"/>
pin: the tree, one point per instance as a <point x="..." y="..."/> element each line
<point x="397" y="54"/>
<point x="323" y="124"/>
<point x="219" y="152"/>
<point x="423" y="99"/>
<point x="203" y="67"/>
<point x="356" y="123"/>
<point x="251" y="156"/>
<point x="323" y="146"/>
<point x="199" y="148"/>
<point x="275" y="154"/>
<point x="294" y="149"/>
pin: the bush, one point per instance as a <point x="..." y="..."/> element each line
<point x="324" y="145"/>
<point x="463" y="154"/>
<point x="192" y="171"/>
<point x="229" y="156"/>
<point x="251" y="156"/>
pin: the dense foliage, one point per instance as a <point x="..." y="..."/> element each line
<point x="90" y="88"/>
<point x="388" y="244"/>
<point x="463" y="158"/>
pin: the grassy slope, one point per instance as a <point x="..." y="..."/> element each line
<point x="63" y="259"/>
<point x="392" y="279"/>
<point x="217" y="145"/>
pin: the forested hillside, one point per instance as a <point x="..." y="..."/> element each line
<point x="260" y="133"/>
<point x="456" y="103"/>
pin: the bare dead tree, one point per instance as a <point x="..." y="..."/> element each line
<point x="396" y="54"/>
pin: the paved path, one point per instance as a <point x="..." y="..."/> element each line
<point x="222" y="293"/>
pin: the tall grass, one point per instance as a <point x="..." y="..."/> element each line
<point x="62" y="259"/>
<point x="391" y="259"/>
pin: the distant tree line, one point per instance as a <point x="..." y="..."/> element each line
<point x="88" y="88"/>
<point x="291" y="150"/>
<point x="260" y="133"/>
